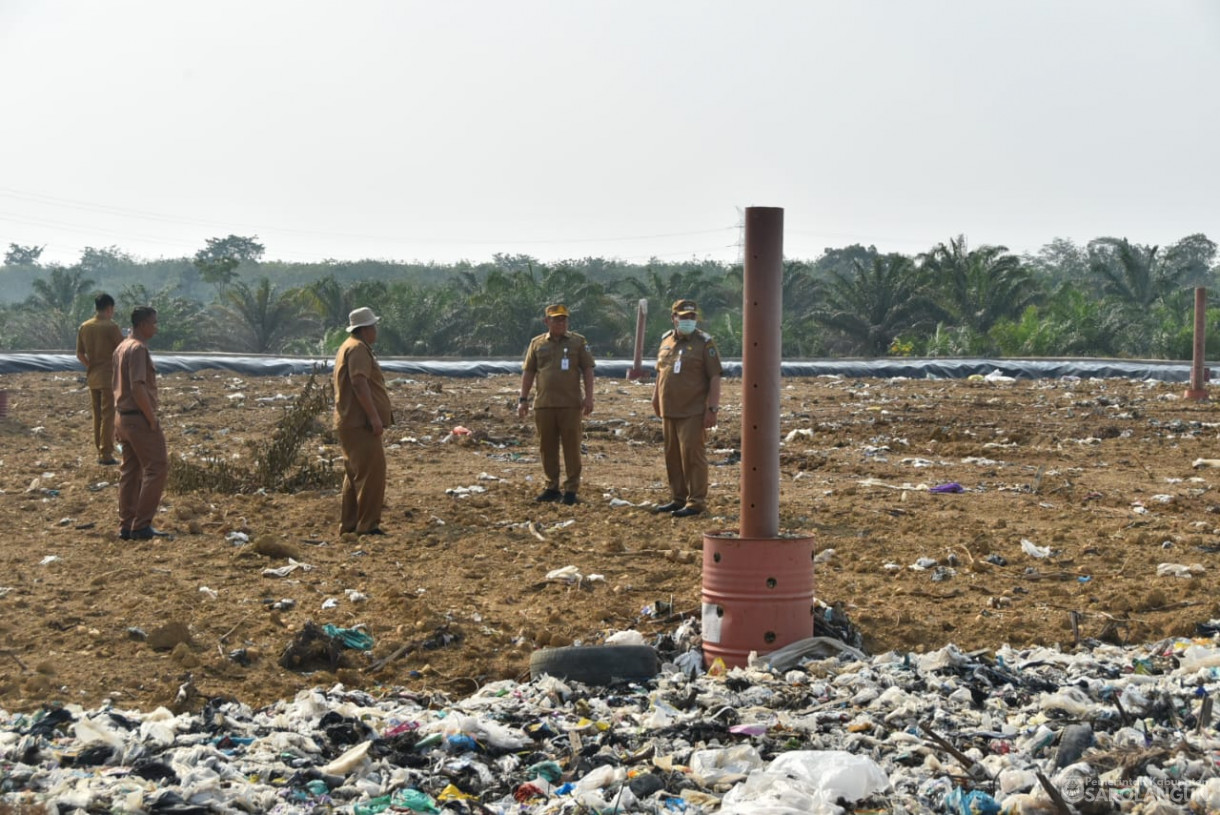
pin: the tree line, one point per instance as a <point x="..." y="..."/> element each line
<point x="1109" y="297"/>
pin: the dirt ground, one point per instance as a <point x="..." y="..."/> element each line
<point x="1098" y="472"/>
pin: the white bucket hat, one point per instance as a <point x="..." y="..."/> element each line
<point x="360" y="318"/>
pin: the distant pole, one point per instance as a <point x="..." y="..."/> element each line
<point x="1198" y="383"/>
<point x="641" y="317"/>
<point x="762" y="310"/>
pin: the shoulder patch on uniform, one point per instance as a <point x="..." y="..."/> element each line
<point x="667" y="334"/>
<point x="711" y="350"/>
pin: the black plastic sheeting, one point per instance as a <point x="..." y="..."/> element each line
<point x="939" y="368"/>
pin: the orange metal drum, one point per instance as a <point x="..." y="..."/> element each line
<point x="757" y="595"/>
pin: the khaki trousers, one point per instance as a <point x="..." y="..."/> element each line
<point x="558" y="426"/>
<point x="363" y="480"/>
<point x="103" y="422"/>
<point x="686" y="460"/>
<point x="143" y="472"/>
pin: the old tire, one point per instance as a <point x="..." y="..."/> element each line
<point x="596" y="664"/>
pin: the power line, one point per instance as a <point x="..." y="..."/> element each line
<point x="106" y="209"/>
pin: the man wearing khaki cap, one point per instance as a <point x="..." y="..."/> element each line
<point x="362" y="413"/>
<point x="559" y="361"/>
<point x="687" y="398"/>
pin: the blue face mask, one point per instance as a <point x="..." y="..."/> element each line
<point x="686" y="326"/>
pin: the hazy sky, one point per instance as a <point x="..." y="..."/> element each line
<point x="453" y="130"/>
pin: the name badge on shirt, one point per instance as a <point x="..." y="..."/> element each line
<point x="563" y="364"/>
<point x="678" y="363"/>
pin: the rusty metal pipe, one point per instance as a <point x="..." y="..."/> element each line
<point x="641" y="317"/>
<point x="1198" y="383"/>
<point x="762" y="310"/>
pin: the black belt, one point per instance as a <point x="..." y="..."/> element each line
<point x="131" y="413"/>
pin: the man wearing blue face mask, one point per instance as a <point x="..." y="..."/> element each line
<point x="687" y="398"/>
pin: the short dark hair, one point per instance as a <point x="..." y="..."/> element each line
<point x="103" y="301"/>
<point x="139" y="314"/>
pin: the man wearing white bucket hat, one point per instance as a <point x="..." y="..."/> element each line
<point x="362" y="413"/>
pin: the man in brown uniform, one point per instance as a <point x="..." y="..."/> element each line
<point x="687" y="398"/>
<point x="145" y="466"/>
<point x="362" y="413"/>
<point x="559" y="361"/>
<point x="95" y="343"/>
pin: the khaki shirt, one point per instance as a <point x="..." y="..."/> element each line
<point x="97" y="339"/>
<point x="685" y="366"/>
<point x="133" y="363"/>
<point x="356" y="358"/>
<point x="558" y="387"/>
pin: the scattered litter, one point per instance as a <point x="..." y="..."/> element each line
<point x="628" y="637"/>
<point x="952" y="486"/>
<point x="462" y="492"/>
<point x="824" y="726"/>
<point x="49" y="559"/>
<point x="566" y="574"/>
<point x="284" y="571"/>
<point x="1179" y="570"/>
<point x="237" y="538"/>
<point x="1029" y="548"/>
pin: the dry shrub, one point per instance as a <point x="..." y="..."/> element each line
<point x="279" y="464"/>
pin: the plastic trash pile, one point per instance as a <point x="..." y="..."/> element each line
<point x="826" y="730"/>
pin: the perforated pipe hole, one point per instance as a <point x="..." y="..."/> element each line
<point x="716" y="557"/>
<point x="719" y="611"/>
<point x="769" y="637"/>
<point x="771" y="582"/>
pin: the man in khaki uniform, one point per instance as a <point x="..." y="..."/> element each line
<point x="145" y="467"/>
<point x="558" y="361"/>
<point x="362" y="413"/>
<point x="687" y="398"/>
<point x="95" y="343"/>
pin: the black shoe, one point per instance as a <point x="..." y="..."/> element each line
<point x="569" y="498"/>
<point x="107" y="462"/>
<point x="670" y="507"/>
<point x="549" y="496"/>
<point x="685" y="512"/>
<point x="374" y="531"/>
<point x="147" y="533"/>
<point x="124" y="534"/>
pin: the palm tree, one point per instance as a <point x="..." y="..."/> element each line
<point x="60" y="302"/>
<point x="802" y="293"/>
<point x="873" y="304"/>
<point x="976" y="288"/>
<point x="1137" y="276"/>
<point x="263" y="320"/>
<point x="183" y="324"/>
